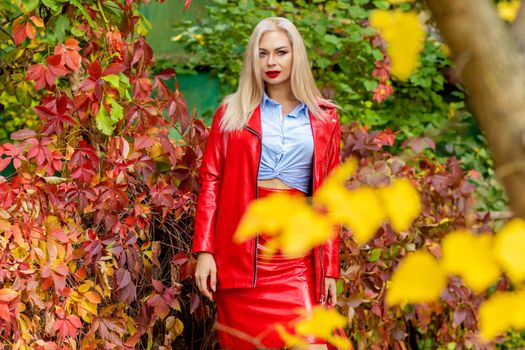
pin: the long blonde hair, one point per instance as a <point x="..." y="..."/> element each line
<point x="240" y="105"/>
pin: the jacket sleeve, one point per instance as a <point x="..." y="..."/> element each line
<point x="210" y="181"/>
<point x="332" y="246"/>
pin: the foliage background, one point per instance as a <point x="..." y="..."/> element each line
<point x="350" y="67"/>
<point x="348" y="59"/>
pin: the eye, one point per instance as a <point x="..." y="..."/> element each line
<point x="282" y="53"/>
<point x="262" y="53"/>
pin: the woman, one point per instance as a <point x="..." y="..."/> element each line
<point x="276" y="133"/>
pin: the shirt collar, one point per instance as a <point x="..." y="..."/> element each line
<point x="294" y="113"/>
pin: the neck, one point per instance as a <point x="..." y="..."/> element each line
<point x="280" y="93"/>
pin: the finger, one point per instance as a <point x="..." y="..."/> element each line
<point x="213" y="279"/>
<point x="204" y="287"/>
<point x="333" y="295"/>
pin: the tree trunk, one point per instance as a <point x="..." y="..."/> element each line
<point x="494" y="78"/>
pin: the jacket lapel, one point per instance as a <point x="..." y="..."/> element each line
<point x="254" y="123"/>
<point x="320" y="135"/>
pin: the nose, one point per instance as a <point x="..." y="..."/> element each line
<point x="271" y="61"/>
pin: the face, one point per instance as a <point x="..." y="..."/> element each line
<point x="275" y="57"/>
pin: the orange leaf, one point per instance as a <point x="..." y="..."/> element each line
<point x="37" y="21"/>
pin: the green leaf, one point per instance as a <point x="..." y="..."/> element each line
<point x="77" y="32"/>
<point x="51" y="4"/>
<point x="104" y="123"/>
<point x="382" y="4"/>
<point x="370" y="85"/>
<point x="29" y="5"/>
<point x="116" y="110"/>
<point x="374" y="254"/>
<point x="112" y="79"/>
<point x="84" y="12"/>
<point x="61" y="25"/>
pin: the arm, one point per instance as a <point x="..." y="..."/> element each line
<point x="332" y="246"/>
<point x="210" y="180"/>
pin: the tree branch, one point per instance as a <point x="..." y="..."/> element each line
<point x="9" y="20"/>
<point x="518" y="28"/>
<point x="495" y="81"/>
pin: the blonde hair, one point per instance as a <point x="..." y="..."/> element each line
<point x="240" y="105"/>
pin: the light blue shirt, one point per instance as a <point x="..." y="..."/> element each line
<point x="287" y="145"/>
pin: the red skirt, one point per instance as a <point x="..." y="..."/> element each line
<point x="284" y="285"/>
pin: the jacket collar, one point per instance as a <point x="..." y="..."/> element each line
<point x="319" y="127"/>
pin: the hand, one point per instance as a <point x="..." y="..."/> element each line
<point x="330" y="290"/>
<point x="206" y="268"/>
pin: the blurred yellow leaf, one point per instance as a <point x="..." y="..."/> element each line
<point x="174" y="326"/>
<point x="401" y="202"/>
<point x="362" y="211"/>
<point x="268" y="215"/>
<point x="470" y="256"/>
<point x="399" y="1"/>
<point x="294" y="226"/>
<point x="289" y="339"/>
<point x="508" y="10"/>
<point x="320" y="322"/>
<point x="418" y="279"/>
<point x="404" y="35"/>
<point x="510" y="249"/>
<point x="501" y="312"/>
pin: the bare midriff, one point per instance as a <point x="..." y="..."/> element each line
<point x="273" y="183"/>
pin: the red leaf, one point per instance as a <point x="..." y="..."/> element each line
<point x="114" y="68"/>
<point x="23" y="134"/>
<point x="159" y="287"/>
<point x="186" y="4"/>
<point x="195" y="302"/>
<point x="4" y="313"/>
<point x="179" y="259"/>
<point x="30" y="30"/>
<point x="166" y="73"/>
<point x="4" y="162"/>
<point x="19" y="31"/>
<point x="56" y="66"/>
<point x="95" y="69"/>
<point x="143" y="141"/>
<point x="37" y="73"/>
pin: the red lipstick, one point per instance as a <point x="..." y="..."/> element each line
<point x="273" y="73"/>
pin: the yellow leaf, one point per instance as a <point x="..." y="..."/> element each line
<point x="174" y="326"/>
<point x="268" y="215"/>
<point x="92" y="297"/>
<point x="508" y="10"/>
<point x="341" y="173"/>
<point x="418" y="279"/>
<point x="339" y="342"/>
<point x="83" y="288"/>
<point x="290" y="339"/>
<point x="293" y="225"/>
<point x="4" y="225"/>
<point x="320" y="322"/>
<point x="404" y="35"/>
<point x="304" y="230"/>
<point x="510" y="248"/>
<point x="362" y="211"/>
<point x="501" y="312"/>
<point x="470" y="256"/>
<point x="401" y="202"/>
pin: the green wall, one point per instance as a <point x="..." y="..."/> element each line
<point x="199" y="90"/>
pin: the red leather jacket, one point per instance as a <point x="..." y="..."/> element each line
<point x="228" y="183"/>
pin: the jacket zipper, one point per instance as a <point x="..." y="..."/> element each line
<point x="322" y="300"/>
<point x="257" y="197"/>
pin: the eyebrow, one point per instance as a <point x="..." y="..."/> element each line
<point x="279" y="48"/>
